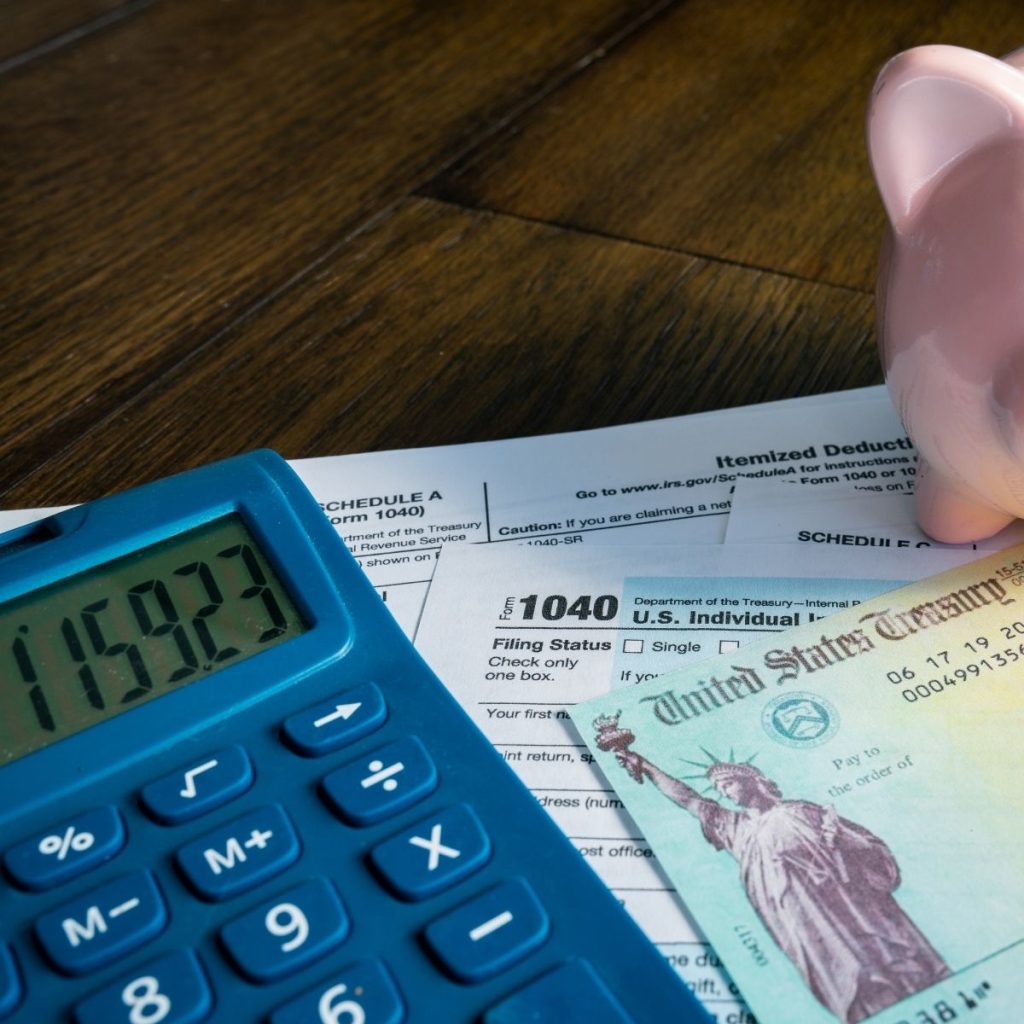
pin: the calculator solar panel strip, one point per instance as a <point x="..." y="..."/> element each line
<point x="298" y="824"/>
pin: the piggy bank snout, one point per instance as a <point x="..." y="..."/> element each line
<point x="946" y="141"/>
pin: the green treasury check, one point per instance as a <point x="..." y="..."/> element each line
<point x="840" y="806"/>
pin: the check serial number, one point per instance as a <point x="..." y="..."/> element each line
<point x="985" y="658"/>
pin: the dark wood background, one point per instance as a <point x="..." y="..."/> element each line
<point x="330" y="227"/>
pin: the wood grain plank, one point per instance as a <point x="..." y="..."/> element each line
<point x="726" y="128"/>
<point x="167" y="176"/>
<point x="26" y="26"/>
<point x="441" y="325"/>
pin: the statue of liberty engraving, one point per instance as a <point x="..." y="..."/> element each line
<point x="820" y="884"/>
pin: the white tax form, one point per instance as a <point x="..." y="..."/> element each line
<point x="518" y="634"/>
<point x="659" y="481"/>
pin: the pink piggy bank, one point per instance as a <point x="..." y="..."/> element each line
<point x="946" y="139"/>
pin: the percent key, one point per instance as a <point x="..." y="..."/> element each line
<point x="67" y="850"/>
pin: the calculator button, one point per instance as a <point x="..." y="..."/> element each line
<point x="196" y="788"/>
<point x="103" y="925"/>
<point x="286" y="933"/>
<point x="10" y="983"/>
<point x="381" y="783"/>
<point x="171" y="990"/>
<point x="489" y="933"/>
<point x="336" y="722"/>
<point x="66" y="850"/>
<point x="571" y="994"/>
<point x="240" y="854"/>
<point x="361" y="994"/>
<point x="433" y="854"/>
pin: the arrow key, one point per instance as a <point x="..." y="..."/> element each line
<point x="336" y="722"/>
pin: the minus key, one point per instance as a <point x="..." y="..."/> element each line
<point x="490" y="933"/>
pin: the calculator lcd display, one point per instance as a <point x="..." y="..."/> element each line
<point x="77" y="652"/>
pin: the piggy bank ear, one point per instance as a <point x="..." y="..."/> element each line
<point x="931" y="106"/>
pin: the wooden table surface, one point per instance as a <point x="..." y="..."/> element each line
<point x="331" y="227"/>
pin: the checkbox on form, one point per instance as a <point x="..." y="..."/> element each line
<point x="727" y="645"/>
<point x="632" y="647"/>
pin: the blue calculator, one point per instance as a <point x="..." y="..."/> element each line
<point x="230" y="790"/>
